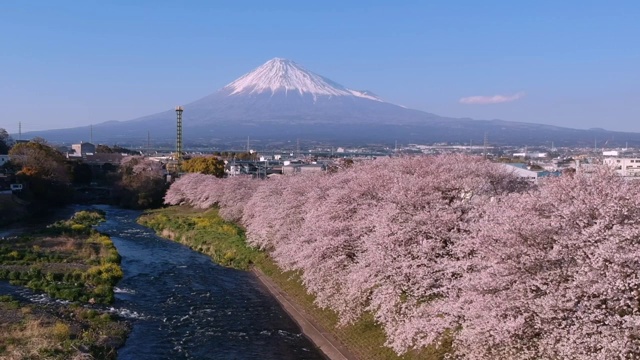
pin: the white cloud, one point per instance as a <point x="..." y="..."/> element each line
<point x="495" y="99"/>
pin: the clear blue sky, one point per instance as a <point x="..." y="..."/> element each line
<point x="569" y="63"/>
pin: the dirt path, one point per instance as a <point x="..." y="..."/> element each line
<point x="318" y="335"/>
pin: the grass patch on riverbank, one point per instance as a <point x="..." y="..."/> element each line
<point x="67" y="260"/>
<point x="57" y="332"/>
<point x="206" y="232"/>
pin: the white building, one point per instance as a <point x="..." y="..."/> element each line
<point x="83" y="149"/>
<point x="289" y="169"/>
<point x="624" y="166"/>
<point x="533" y="155"/>
<point x="524" y="172"/>
<point x="538" y="155"/>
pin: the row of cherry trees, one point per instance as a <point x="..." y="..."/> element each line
<point x="454" y="246"/>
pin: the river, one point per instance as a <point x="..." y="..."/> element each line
<point x="184" y="306"/>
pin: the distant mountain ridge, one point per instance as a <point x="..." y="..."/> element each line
<point x="281" y="100"/>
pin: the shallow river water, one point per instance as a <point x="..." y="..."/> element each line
<point x="183" y="306"/>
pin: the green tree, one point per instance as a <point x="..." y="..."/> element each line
<point x="40" y="160"/>
<point x="5" y="141"/>
<point x="122" y="150"/>
<point x="115" y="149"/>
<point x="103" y="149"/>
<point x="44" y="170"/>
<point x="209" y="165"/>
<point x="246" y="156"/>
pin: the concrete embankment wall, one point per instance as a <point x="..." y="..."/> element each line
<point x="312" y="330"/>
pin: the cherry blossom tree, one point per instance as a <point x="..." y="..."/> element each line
<point x="426" y="209"/>
<point x="275" y="213"/>
<point x="235" y="193"/>
<point x="553" y="274"/>
<point x="141" y="183"/>
<point x="204" y="191"/>
<point x="332" y="236"/>
<point x="453" y="246"/>
<point x="194" y="189"/>
<point x="372" y="236"/>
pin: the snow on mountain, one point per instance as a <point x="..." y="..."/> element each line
<point x="282" y="75"/>
<point x="365" y="94"/>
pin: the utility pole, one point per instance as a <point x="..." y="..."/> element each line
<point x="486" y="140"/>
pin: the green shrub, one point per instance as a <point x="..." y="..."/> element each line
<point x="88" y="218"/>
<point x="88" y="314"/>
<point x="34" y="273"/>
<point x="112" y="257"/>
<point x="71" y="294"/>
<point x="61" y="331"/>
<point x="78" y="228"/>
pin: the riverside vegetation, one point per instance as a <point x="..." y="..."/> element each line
<point x="67" y="260"/>
<point x="50" y="180"/>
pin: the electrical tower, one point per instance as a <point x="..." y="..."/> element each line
<point x="179" y="137"/>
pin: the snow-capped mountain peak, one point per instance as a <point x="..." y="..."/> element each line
<point x="282" y="75"/>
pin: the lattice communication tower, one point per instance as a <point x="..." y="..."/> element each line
<point x="179" y="136"/>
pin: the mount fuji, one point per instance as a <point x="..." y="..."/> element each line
<point x="281" y="100"/>
<point x="283" y="93"/>
<point x="282" y="75"/>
